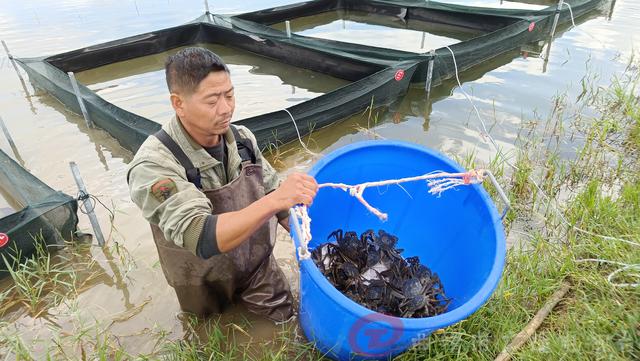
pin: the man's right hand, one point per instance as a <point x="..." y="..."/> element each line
<point x="298" y="188"/>
<point x="233" y="228"/>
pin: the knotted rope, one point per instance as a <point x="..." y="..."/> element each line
<point x="437" y="182"/>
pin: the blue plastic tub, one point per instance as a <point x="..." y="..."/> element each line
<point x="459" y="235"/>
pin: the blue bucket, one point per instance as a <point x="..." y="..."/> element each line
<point x="459" y="235"/>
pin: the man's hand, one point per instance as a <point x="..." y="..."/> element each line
<point x="298" y="188"/>
<point x="233" y="228"/>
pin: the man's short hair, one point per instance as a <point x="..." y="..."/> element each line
<point x="188" y="67"/>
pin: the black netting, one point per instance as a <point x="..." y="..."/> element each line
<point x="46" y="216"/>
<point x="371" y="70"/>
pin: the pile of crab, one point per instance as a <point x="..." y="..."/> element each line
<point x="370" y="270"/>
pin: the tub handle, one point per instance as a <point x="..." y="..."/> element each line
<point x="501" y="193"/>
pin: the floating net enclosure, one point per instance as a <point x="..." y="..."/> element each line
<point x="368" y="75"/>
<point x="43" y="214"/>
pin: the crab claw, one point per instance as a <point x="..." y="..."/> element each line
<point x="337" y="234"/>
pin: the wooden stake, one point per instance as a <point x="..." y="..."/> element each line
<point x="523" y="336"/>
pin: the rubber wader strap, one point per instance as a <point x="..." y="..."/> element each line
<point x="193" y="173"/>
<point x="245" y="148"/>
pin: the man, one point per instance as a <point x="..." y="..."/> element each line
<point x="212" y="199"/>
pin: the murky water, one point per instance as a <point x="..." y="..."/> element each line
<point x="262" y="85"/>
<point x="367" y="29"/>
<point x="509" y="91"/>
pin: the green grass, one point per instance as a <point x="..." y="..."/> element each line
<point x="222" y="343"/>
<point x="45" y="279"/>
<point x="596" y="321"/>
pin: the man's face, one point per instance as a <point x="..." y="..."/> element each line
<point x="208" y="110"/>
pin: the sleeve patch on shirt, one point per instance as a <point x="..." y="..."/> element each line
<point x="163" y="189"/>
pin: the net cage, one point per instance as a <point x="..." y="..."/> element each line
<point x="375" y="77"/>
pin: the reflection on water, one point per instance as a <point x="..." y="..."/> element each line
<point x="375" y="30"/>
<point x="261" y="85"/>
<point x="511" y="89"/>
<point x="499" y="4"/>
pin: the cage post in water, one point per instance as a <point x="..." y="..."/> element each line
<point x="613" y="4"/>
<point x="15" y="67"/>
<point x="6" y="49"/>
<point x="87" y="203"/>
<point x="76" y="90"/>
<point x="10" y="140"/>
<point x="557" y="17"/>
<point x="288" y="26"/>
<point x="547" y="53"/>
<point x="8" y="135"/>
<point x="432" y="54"/>
<point x="207" y="12"/>
<point x="551" y="35"/>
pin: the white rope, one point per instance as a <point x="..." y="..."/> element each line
<point x="570" y="13"/>
<point x="551" y="201"/>
<point x="573" y="26"/>
<point x="484" y="127"/>
<point x="437" y="182"/>
<point x="303" y="215"/>
<point x="301" y="211"/>
<point x="612" y="275"/>
<point x="298" y="132"/>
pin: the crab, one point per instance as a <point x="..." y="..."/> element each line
<point x="421" y="272"/>
<point x="373" y="256"/>
<point x="349" y="245"/>
<point x="322" y="256"/>
<point x="375" y="291"/>
<point x="386" y="241"/>
<point x="346" y="275"/>
<point x="396" y="272"/>
<point x="414" y="292"/>
<point x="370" y="270"/>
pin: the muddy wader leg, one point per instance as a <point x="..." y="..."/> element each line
<point x="267" y="292"/>
<point x="204" y="300"/>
